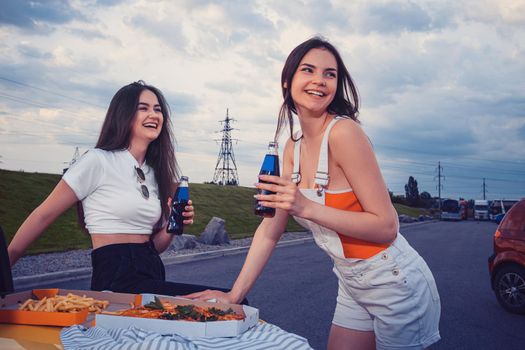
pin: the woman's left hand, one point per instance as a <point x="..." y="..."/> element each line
<point x="287" y="196"/>
<point x="188" y="213"/>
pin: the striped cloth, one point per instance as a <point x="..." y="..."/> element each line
<point x="263" y="336"/>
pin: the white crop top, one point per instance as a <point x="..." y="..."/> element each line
<point x="107" y="185"/>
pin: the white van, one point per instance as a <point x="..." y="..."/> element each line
<point x="481" y="209"/>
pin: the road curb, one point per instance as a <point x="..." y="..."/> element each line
<point x="416" y="223"/>
<point x="173" y="260"/>
<point x="27" y="282"/>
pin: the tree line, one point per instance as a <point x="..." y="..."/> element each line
<point x="412" y="196"/>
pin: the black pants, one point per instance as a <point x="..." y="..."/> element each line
<point x="136" y="268"/>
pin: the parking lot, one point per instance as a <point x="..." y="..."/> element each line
<point x="297" y="289"/>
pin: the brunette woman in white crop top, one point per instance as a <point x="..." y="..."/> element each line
<point x="332" y="185"/>
<point x="122" y="189"/>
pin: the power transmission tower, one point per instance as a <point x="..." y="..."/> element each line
<point x="484" y="188"/>
<point x="76" y="155"/>
<point x="226" y="169"/>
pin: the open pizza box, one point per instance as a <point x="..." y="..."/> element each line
<point x="185" y="328"/>
<point x="9" y="313"/>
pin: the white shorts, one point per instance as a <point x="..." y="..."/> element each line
<point x="393" y="294"/>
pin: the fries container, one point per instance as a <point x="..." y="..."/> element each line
<point x="9" y="312"/>
<point x="185" y="328"/>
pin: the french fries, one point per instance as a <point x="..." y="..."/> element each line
<point x="64" y="303"/>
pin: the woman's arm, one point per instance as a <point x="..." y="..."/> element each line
<point x="351" y="151"/>
<point x="162" y="239"/>
<point x="59" y="200"/>
<point x="264" y="241"/>
<point x="265" y="238"/>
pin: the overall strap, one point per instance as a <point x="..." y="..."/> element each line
<point x="296" y="176"/>
<point x="321" y="176"/>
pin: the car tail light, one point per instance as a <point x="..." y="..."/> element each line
<point x="497" y="235"/>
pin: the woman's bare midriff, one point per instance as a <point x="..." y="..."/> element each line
<point x="100" y="240"/>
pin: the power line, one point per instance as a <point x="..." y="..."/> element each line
<point x="452" y="176"/>
<point x="21" y="100"/>
<point x="510" y="171"/>
<point x="41" y="122"/>
<point x="456" y="156"/>
<point x="50" y="92"/>
<point x="31" y="103"/>
<point x="451" y="165"/>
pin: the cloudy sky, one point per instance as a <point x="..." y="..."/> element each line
<point x="440" y="81"/>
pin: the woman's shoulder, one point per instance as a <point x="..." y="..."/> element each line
<point x="96" y="155"/>
<point x="346" y="133"/>
<point x="107" y="155"/>
<point x="346" y="125"/>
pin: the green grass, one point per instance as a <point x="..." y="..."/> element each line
<point x="233" y="204"/>
<point x="22" y="192"/>
<point x="410" y="211"/>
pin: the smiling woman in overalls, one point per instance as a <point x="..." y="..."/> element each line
<point x="331" y="184"/>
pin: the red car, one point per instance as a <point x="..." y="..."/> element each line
<point x="507" y="264"/>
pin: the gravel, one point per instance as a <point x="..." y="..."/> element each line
<point x="31" y="265"/>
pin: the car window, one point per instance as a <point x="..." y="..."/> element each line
<point x="515" y="218"/>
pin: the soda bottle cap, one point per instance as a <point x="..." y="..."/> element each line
<point x="183" y="178"/>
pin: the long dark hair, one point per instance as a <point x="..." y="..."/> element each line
<point x="116" y="135"/>
<point x="346" y="99"/>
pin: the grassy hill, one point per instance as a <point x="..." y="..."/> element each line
<point x="21" y="192"/>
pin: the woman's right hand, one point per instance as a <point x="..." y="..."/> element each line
<point x="287" y="196"/>
<point x="215" y="295"/>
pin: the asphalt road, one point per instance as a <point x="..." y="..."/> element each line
<point x="297" y="290"/>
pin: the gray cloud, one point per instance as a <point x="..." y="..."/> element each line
<point x="33" y="52"/>
<point x="225" y="86"/>
<point x="182" y="103"/>
<point x="500" y="107"/>
<point x="56" y="84"/>
<point x="393" y="17"/>
<point x="242" y="15"/>
<point x="235" y="86"/>
<point x="88" y="34"/>
<point x="319" y="15"/>
<point x="109" y="2"/>
<point x="520" y="132"/>
<point x="169" y="31"/>
<point x="242" y="23"/>
<point x="440" y="81"/>
<point x="266" y="57"/>
<point x="25" y="13"/>
<point x="425" y="134"/>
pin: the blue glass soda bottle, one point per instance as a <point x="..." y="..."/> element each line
<point x="180" y="200"/>
<point x="270" y="166"/>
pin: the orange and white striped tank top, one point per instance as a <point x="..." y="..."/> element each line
<point x="334" y="244"/>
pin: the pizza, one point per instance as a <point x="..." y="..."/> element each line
<point x="165" y="310"/>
